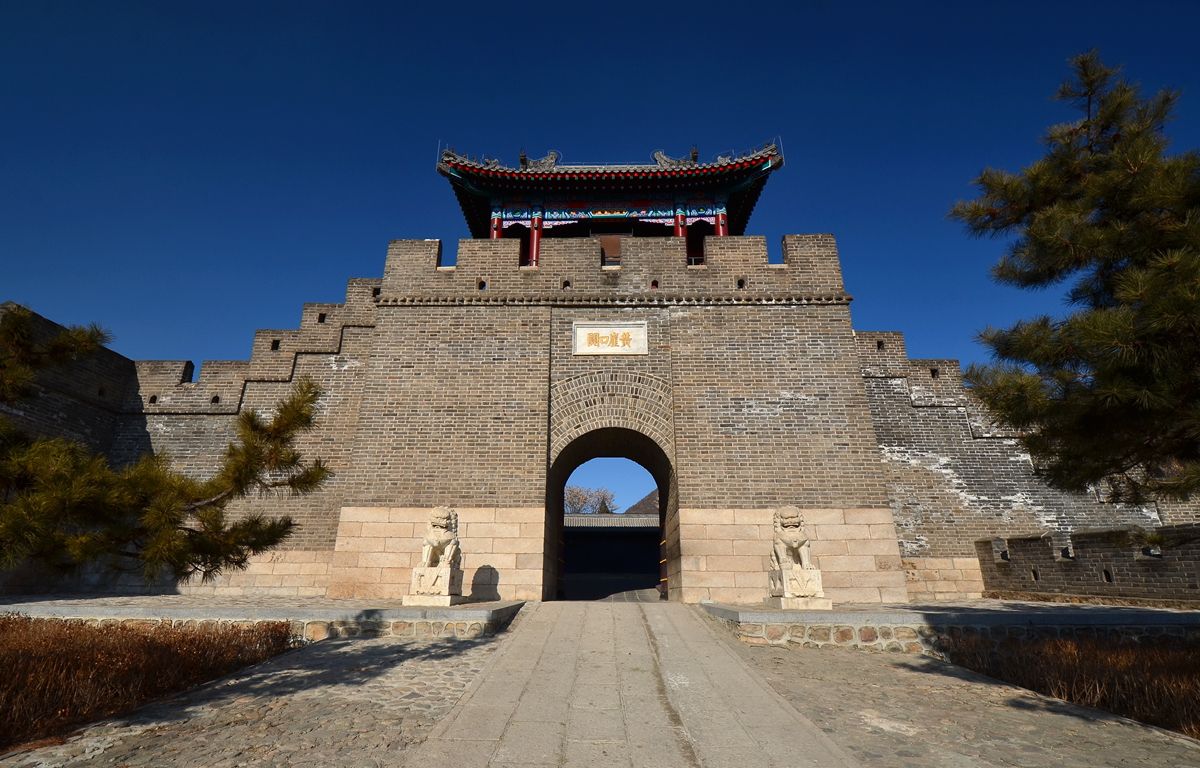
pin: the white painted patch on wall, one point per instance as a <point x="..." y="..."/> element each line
<point x="341" y="363"/>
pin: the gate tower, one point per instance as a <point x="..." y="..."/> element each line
<point x="599" y="310"/>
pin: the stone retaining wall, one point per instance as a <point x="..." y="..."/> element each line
<point x="312" y="631"/>
<point x="870" y="634"/>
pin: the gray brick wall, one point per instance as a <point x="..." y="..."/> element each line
<point x="770" y="409"/>
<point x="81" y="401"/>
<point x="453" y="408"/>
<point x="953" y="476"/>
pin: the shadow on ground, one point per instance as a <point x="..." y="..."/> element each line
<point x="328" y="665"/>
<point x="1028" y="700"/>
<point x="902" y="711"/>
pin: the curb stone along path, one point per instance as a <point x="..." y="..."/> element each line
<point x="311" y="619"/>
<point x="622" y="684"/>
<point x="338" y="702"/>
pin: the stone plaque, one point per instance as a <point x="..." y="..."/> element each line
<point x="611" y="339"/>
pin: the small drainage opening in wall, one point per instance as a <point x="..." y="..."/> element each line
<point x="153" y="399"/>
<point x="216" y="399"/>
<point x="1033" y="572"/>
<point x="1107" y="575"/>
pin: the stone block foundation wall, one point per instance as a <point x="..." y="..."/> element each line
<point x="282" y="573"/>
<point x="377" y="548"/>
<point x="725" y="554"/>
<point x="1104" y="566"/>
<point x="943" y="578"/>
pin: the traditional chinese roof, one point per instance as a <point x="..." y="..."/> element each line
<point x="625" y="520"/>
<point x="480" y="183"/>
<point x="647" y="505"/>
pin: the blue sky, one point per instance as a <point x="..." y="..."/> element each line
<point x="184" y="173"/>
<point x="628" y="480"/>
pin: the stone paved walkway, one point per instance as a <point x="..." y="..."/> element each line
<point x="906" y="711"/>
<point x="634" y="596"/>
<point x="622" y="684"/>
<point x="338" y="702"/>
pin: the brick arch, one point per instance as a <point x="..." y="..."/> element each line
<point x="606" y="399"/>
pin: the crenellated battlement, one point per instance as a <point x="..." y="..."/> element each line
<point x="882" y="354"/>
<point x="929" y="381"/>
<point x="585" y="270"/>
<point x="936" y="382"/>
<point x="1101" y="564"/>
<point x="167" y="386"/>
<point x="623" y="266"/>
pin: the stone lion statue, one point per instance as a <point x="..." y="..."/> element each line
<point x="794" y="580"/>
<point x="440" y="546"/>
<point x="791" y="547"/>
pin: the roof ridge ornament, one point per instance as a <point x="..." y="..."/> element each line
<point x="666" y="161"/>
<point x="547" y="163"/>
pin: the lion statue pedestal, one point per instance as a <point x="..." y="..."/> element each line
<point x="435" y="587"/>
<point x="438" y="580"/>
<point x="794" y="582"/>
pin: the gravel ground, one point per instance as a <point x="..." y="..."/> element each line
<point x="338" y="702"/>
<point x="908" y="711"/>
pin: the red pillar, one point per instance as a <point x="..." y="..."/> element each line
<point x="497" y="230"/>
<point x="680" y="224"/>
<point x="535" y="239"/>
<point x="722" y="228"/>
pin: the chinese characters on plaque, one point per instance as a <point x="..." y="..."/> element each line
<point x="611" y="339"/>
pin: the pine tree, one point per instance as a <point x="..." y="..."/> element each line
<point x="1109" y="395"/>
<point x="63" y="505"/>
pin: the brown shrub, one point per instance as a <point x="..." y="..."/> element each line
<point x="58" y="674"/>
<point x="1155" y="680"/>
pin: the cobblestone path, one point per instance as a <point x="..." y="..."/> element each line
<point x="907" y="711"/>
<point x="339" y="702"/>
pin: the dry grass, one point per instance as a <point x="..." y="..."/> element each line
<point x="60" y="674"/>
<point x="1155" y="681"/>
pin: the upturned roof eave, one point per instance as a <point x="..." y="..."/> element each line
<point x="681" y="168"/>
